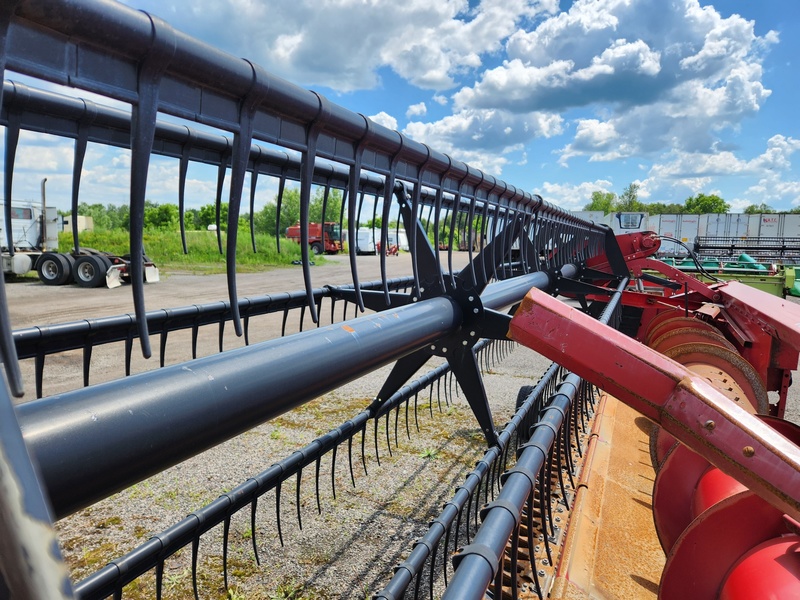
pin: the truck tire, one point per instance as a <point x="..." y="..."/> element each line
<point x="90" y="271"/>
<point x="316" y="249"/>
<point x="54" y="268"/>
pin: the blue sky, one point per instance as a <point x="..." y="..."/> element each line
<point x="558" y="98"/>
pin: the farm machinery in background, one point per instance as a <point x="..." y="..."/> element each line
<point x="322" y="237"/>
<point x="698" y="360"/>
<point x="760" y="250"/>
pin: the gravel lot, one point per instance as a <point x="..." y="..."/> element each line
<point x="349" y="549"/>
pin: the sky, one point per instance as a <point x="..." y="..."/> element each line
<point x="557" y="98"/>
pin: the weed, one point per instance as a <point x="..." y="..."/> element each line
<point x="106" y="523"/>
<point x="288" y="590"/>
<point x="431" y="453"/>
<point x="235" y="594"/>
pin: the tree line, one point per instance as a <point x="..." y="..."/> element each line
<point x="700" y="204"/>
<point x="271" y="219"/>
<point x="166" y="217"/>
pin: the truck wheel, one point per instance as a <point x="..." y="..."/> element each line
<point x="53" y="268"/>
<point x="316" y="248"/>
<point x="90" y="271"/>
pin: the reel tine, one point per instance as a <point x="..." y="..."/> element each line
<point x="333" y="471"/>
<point x="416" y="415"/>
<point x="195" y="550"/>
<point x="195" y="331"/>
<point x="388" y="437"/>
<point x="226" y="526"/>
<point x="363" y="444"/>
<point x="159" y="579"/>
<point x="278" y="510"/>
<point x="253" y="506"/>
<point x="375" y="435"/>
<point x="408" y="430"/>
<point x="316" y="483"/>
<point x="297" y="499"/>
<point x="350" y="458"/>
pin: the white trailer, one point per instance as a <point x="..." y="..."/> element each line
<point x="367" y="240"/>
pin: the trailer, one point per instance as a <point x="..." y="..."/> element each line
<point x="768" y="237"/>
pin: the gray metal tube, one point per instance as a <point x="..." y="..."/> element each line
<point x="92" y="442"/>
<point x="98" y="440"/>
<point x="507" y="292"/>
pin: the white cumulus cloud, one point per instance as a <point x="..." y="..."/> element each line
<point x="416" y="110"/>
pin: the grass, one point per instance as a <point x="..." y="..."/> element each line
<point x="166" y="250"/>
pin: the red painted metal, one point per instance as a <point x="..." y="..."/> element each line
<point x="713" y="486"/>
<point x="770" y="571"/>
<point x="682" y="403"/>
<point x="665" y="326"/>
<point x="673" y="491"/>
<point x="733" y="344"/>
<point x="726" y="371"/>
<point x="702" y="556"/>
<point x="689" y="335"/>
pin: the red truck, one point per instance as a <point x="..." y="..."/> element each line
<point x="330" y="244"/>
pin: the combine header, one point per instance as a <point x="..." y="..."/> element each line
<point x="698" y="361"/>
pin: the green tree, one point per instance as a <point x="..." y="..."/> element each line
<point x="191" y="219"/>
<point x="755" y="209"/>
<point x="290" y="213"/>
<point x="333" y="208"/>
<point x="702" y="204"/>
<point x="661" y="208"/>
<point x="120" y="216"/>
<point x="207" y="215"/>
<point x="629" y="200"/>
<point x="605" y="201"/>
<point x="98" y="213"/>
<point x="163" y="217"/>
<point x="264" y="220"/>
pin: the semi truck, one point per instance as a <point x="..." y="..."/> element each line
<point x="34" y="228"/>
<point x="322" y="237"/>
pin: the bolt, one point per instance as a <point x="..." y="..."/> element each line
<point x="472" y="298"/>
<point x="749" y="451"/>
<point x="472" y="334"/>
<point x="465" y="342"/>
<point x="710" y="425"/>
<point x="545" y="562"/>
<point x="444" y="349"/>
<point x="433" y="347"/>
<point x="558" y="519"/>
<point x="541" y="572"/>
<point x="475" y="310"/>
